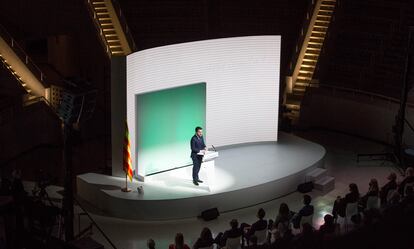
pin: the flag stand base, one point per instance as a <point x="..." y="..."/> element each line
<point x="126" y="189"/>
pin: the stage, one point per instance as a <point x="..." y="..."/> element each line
<point x="244" y="175"/>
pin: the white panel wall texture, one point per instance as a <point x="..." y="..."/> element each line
<point x="242" y="81"/>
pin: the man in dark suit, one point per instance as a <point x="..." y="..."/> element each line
<point x="234" y="232"/>
<point x="305" y="211"/>
<point x="197" y="146"/>
<point x="259" y="225"/>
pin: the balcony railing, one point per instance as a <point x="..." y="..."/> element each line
<point x="24" y="57"/>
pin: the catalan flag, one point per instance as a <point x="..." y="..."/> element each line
<point x="127" y="153"/>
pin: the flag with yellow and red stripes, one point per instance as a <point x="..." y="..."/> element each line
<point x="127" y="153"/>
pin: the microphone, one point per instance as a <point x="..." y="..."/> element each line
<point x="214" y="148"/>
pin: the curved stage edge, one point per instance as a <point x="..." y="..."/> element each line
<point x="245" y="175"/>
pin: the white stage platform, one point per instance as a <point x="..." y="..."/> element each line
<point x="244" y="175"/>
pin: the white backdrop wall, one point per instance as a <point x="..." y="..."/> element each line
<point x="242" y="84"/>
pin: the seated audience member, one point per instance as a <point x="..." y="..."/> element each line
<point x="280" y="235"/>
<point x="284" y="215"/>
<point x="307" y="239"/>
<point x="371" y="217"/>
<point x="253" y="243"/>
<point x="372" y="191"/>
<point x="151" y="244"/>
<point x="328" y="227"/>
<point x="205" y="240"/>
<point x="305" y="211"/>
<point x="390" y="185"/>
<point x="409" y="179"/>
<point x="409" y="197"/>
<point x="234" y="232"/>
<point x="339" y="206"/>
<point x="259" y="225"/>
<point x="179" y="242"/>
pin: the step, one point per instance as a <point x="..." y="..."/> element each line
<point x="309" y="63"/>
<point x="322" y="22"/>
<point x="310" y="60"/>
<point x="307" y="67"/>
<point x="117" y="52"/>
<point x="316" y="174"/>
<point x="317" y="38"/>
<point x="301" y="82"/>
<point x="298" y="93"/>
<point x="313" y="43"/>
<point x="103" y="20"/>
<point x="325" y="184"/>
<point x="325" y="27"/>
<point x="312" y="52"/>
<point x="317" y="35"/>
<point x="325" y="12"/>
<point x="110" y="35"/>
<point x="320" y="18"/>
<point x="305" y="71"/>
<point x="102" y="9"/>
<point x="311" y="56"/>
<point x="305" y="75"/>
<point x="304" y="78"/>
<point x="294" y="101"/>
<point x="102" y="13"/>
<point x="299" y="88"/>
<point x="293" y="107"/>
<point x="317" y="32"/>
<point x="320" y="29"/>
<point x="314" y="46"/>
<point x="326" y="7"/>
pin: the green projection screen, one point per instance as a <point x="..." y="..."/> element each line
<point x="165" y="124"/>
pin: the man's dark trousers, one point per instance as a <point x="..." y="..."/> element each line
<point x="197" y="160"/>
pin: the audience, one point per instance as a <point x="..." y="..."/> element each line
<point x="372" y="191"/>
<point x="409" y="179"/>
<point x="253" y="243"/>
<point x="259" y="225"/>
<point x="284" y="215"/>
<point x="280" y="235"/>
<point x="306" y="239"/>
<point x="179" y="242"/>
<point x="151" y="244"/>
<point x="234" y="232"/>
<point x="409" y="196"/>
<point x="205" y="240"/>
<point x="380" y="228"/>
<point x="307" y="210"/>
<point x="391" y="185"/>
<point x="329" y="226"/>
<point x="339" y="206"/>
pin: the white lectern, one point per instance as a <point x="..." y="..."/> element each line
<point x="207" y="167"/>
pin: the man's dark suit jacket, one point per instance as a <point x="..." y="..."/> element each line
<point x="257" y="226"/>
<point x="197" y="144"/>
<point x="232" y="233"/>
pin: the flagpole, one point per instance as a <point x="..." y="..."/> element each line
<point x="126" y="189"/>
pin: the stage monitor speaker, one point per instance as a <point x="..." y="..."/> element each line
<point x="305" y="187"/>
<point x="210" y="214"/>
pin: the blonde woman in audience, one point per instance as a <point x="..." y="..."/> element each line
<point x="179" y="242"/>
